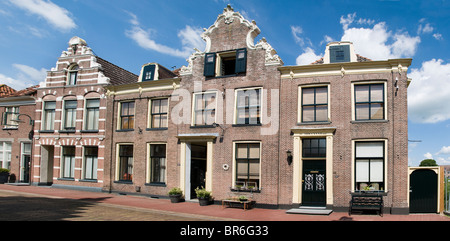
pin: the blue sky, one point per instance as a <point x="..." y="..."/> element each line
<point x="33" y="33"/>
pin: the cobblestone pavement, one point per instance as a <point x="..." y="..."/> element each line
<point x="15" y="206"/>
<point x="55" y="204"/>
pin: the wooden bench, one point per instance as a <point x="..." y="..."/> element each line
<point x="366" y="202"/>
<point x="238" y="198"/>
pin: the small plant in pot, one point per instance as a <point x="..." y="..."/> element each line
<point x="4" y="175"/>
<point x="203" y="196"/>
<point x="175" y="195"/>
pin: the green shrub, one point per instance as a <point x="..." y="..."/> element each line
<point x="4" y="170"/>
<point x="202" y="193"/>
<point x="175" y="191"/>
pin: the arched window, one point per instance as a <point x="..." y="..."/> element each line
<point x="72" y="77"/>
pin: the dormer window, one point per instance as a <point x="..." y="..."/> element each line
<point x="148" y="72"/>
<point x="73" y="75"/>
<point x="225" y="63"/>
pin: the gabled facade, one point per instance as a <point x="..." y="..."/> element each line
<point x="70" y="126"/>
<point x="18" y="109"/>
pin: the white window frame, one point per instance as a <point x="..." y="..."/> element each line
<point x="193" y="119"/>
<point x="261" y="108"/>
<point x="384" y="82"/>
<point x="300" y="96"/>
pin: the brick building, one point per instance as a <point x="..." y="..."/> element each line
<point x="70" y="126"/>
<point x="18" y="109"/>
<point x="236" y="119"/>
<point x="347" y="129"/>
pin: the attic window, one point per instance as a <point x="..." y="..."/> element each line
<point x="225" y="63"/>
<point x="148" y="73"/>
<point x="339" y="53"/>
<point x="73" y="75"/>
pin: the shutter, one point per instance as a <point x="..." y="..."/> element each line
<point x="148" y="73"/>
<point x="210" y="65"/>
<point x="340" y="53"/>
<point x="241" y="61"/>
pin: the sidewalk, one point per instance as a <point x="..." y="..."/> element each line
<point x="215" y="211"/>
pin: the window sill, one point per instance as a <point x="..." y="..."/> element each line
<point x="368" y="121"/>
<point x="156" y="184"/>
<point x="88" y="180"/>
<point x="123" y="182"/>
<point x="157" y="129"/>
<point x="246" y="190"/>
<point x="89" y="131"/>
<point x="66" y="179"/>
<point x="66" y="131"/>
<point x="47" y="131"/>
<point x="124" y="130"/>
<point x="314" y="123"/>
<point x="242" y="125"/>
<point x="10" y="128"/>
<point x="203" y="126"/>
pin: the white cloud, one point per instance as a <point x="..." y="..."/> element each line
<point x="429" y="92"/>
<point x="27" y="76"/>
<point x="189" y="36"/>
<point x="444" y="150"/>
<point x="438" y="36"/>
<point x="380" y="43"/>
<point x="428" y="155"/>
<point x="57" y="16"/>
<point x="307" y="57"/>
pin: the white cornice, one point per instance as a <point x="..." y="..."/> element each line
<point x="391" y="65"/>
<point x="141" y="87"/>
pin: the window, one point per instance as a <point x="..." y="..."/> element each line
<point x="159" y="113"/>
<point x="314" y="104"/>
<point x="70" y="114"/>
<point x="369" y="102"/>
<point x="339" y="53"/>
<point x="248" y="165"/>
<point x="73" y="75"/>
<point x="9" y="116"/>
<point x="90" y="162"/>
<point x="127" y="115"/>
<point x="369" y="165"/>
<point x="204" y="109"/>
<point x="157" y="163"/>
<point x="149" y="72"/>
<point x="125" y="163"/>
<point x="92" y="114"/>
<point x="5" y="154"/>
<point x="227" y="63"/>
<point x="68" y="162"/>
<point x="314" y="148"/>
<point x="248" y="106"/>
<point x="49" y="115"/>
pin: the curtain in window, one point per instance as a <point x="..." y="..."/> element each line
<point x="90" y="162"/>
<point x="369" y="164"/>
<point x="70" y="109"/>
<point x="68" y="162"/>
<point x="49" y="115"/>
<point x="92" y="114"/>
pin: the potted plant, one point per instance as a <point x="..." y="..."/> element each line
<point x="175" y="195"/>
<point x="203" y="196"/>
<point x="4" y="175"/>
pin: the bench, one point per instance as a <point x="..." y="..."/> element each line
<point x="237" y="198"/>
<point x="366" y="202"/>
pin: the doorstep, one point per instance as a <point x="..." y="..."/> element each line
<point x="310" y="210"/>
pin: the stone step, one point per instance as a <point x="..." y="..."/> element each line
<point x="310" y="210"/>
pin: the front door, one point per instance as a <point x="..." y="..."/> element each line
<point x="198" y="167"/>
<point x="314" y="183"/>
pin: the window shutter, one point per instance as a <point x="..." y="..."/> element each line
<point x="210" y="65"/>
<point x="241" y="61"/>
<point x="340" y="53"/>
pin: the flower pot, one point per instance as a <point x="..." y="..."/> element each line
<point x="175" y="198"/>
<point x="203" y="201"/>
<point x="4" y="177"/>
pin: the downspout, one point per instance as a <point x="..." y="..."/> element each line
<point x="111" y="145"/>
<point x="393" y="138"/>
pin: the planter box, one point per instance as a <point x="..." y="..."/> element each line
<point x="203" y="201"/>
<point x="175" y="198"/>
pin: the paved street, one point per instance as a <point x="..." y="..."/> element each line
<point x="16" y="206"/>
<point x="20" y="203"/>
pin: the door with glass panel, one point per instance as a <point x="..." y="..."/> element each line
<point x="314" y="172"/>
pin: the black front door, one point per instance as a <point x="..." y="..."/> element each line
<point x="198" y="167"/>
<point x="314" y="183"/>
<point x="26" y="168"/>
<point x="423" y="191"/>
